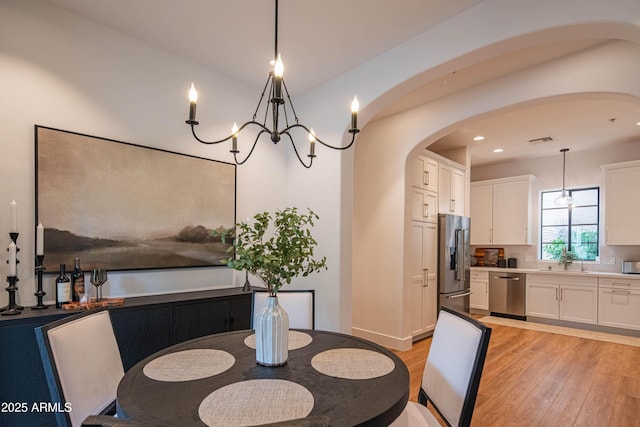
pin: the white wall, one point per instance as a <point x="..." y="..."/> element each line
<point x="65" y="72"/>
<point x="583" y="170"/>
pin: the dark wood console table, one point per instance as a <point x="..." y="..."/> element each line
<point x="143" y="326"/>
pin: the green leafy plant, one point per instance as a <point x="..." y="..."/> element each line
<point x="287" y="253"/>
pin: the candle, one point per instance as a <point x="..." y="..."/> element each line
<point x="234" y="139"/>
<point x="12" y="259"/>
<point x="193" y="99"/>
<point x="40" y="239"/>
<point x="355" y="106"/>
<point x="278" y="72"/>
<point x="312" y="143"/>
<point x="14" y="216"/>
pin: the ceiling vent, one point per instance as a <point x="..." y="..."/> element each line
<point x="541" y="140"/>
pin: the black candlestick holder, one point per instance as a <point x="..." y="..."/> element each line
<point x="12" y="308"/>
<point x="39" y="292"/>
<point x="12" y="289"/>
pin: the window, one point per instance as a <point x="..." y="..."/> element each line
<point x="574" y="227"/>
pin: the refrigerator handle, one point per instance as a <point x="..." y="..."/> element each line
<point x="460" y="255"/>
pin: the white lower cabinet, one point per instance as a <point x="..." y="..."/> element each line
<point x="619" y="303"/>
<point x="424" y="277"/>
<point x="570" y="298"/>
<point x="479" y="284"/>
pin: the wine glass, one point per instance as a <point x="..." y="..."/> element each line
<point x="98" y="277"/>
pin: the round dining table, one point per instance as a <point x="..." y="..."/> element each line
<point x="215" y="381"/>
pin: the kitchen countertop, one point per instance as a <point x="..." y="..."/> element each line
<point x="558" y="271"/>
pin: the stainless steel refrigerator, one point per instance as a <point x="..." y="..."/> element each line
<point x="454" y="262"/>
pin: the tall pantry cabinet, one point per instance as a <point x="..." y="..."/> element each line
<point x="424" y="243"/>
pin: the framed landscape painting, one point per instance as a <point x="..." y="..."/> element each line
<point x="122" y="206"/>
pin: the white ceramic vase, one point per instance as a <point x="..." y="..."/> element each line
<point x="272" y="334"/>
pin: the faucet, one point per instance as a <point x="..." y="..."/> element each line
<point x="582" y="268"/>
<point x="566" y="258"/>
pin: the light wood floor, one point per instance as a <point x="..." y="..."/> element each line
<point x="541" y="379"/>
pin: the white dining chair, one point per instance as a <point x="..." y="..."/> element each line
<point x="299" y="305"/>
<point x="452" y="372"/>
<point x="82" y="365"/>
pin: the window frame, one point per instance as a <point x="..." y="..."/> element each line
<point x="569" y="224"/>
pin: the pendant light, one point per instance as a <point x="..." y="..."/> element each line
<point x="564" y="199"/>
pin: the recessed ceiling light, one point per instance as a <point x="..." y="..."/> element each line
<point x="478" y="138"/>
<point x="498" y="150"/>
<point x="638" y="124"/>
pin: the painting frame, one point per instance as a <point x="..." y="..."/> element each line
<point x="124" y="207"/>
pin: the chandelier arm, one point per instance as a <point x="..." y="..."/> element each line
<point x="252" y="122"/>
<point x="235" y="156"/>
<point x="264" y="90"/>
<point x="293" y="109"/>
<point x="298" y="125"/>
<point x="295" y="149"/>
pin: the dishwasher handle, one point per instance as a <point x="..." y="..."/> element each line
<point x="506" y="278"/>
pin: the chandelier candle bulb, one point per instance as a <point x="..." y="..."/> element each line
<point x="312" y="143"/>
<point x="193" y="99"/>
<point x="355" y="106"/>
<point x="278" y="72"/>
<point x="40" y="239"/>
<point x="234" y="139"/>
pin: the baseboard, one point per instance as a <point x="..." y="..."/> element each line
<point x="388" y="341"/>
<point x="585" y="326"/>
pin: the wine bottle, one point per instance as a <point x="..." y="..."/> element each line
<point x="63" y="288"/>
<point x="77" y="279"/>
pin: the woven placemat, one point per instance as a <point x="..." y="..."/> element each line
<point x="296" y="340"/>
<point x="189" y="365"/>
<point x="255" y="402"/>
<point x="352" y="363"/>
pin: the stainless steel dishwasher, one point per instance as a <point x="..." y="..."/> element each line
<point x="507" y="294"/>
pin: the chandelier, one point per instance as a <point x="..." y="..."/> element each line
<point x="276" y="103"/>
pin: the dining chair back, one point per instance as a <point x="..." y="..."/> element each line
<point x="299" y="305"/>
<point x="452" y="372"/>
<point x="82" y="365"/>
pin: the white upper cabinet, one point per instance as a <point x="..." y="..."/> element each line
<point x="501" y="211"/>
<point x="425" y="174"/>
<point x="622" y="203"/>
<point x="481" y="200"/>
<point x="450" y="190"/>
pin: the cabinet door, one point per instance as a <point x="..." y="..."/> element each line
<point x="457" y="192"/>
<point x="431" y="169"/>
<point x="140" y="333"/>
<point x="619" y="308"/>
<point x="542" y="300"/>
<point x="430" y="291"/>
<point x="622" y="205"/>
<point x="193" y="320"/>
<point x="579" y="304"/>
<point x="425" y="174"/>
<point x="479" y="298"/>
<point x="418" y="275"/>
<point x="511" y="213"/>
<point x="450" y="190"/>
<point x="423" y="205"/>
<point x="481" y="199"/>
<point x="423" y="277"/>
<point x="444" y="190"/>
